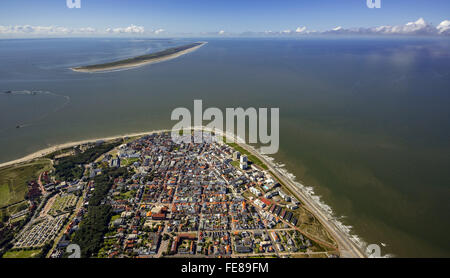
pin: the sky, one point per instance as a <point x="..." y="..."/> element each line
<point x="211" y="16"/>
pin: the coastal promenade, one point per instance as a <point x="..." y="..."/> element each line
<point x="346" y="246"/>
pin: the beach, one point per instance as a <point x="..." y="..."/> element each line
<point x="347" y="247"/>
<point x="129" y="65"/>
<point x="55" y="148"/>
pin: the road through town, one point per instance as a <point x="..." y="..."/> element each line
<point x="347" y="247"/>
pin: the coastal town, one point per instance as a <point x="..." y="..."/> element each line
<point x="148" y="197"/>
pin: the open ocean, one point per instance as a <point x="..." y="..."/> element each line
<point x="364" y="122"/>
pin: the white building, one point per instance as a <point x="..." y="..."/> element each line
<point x="285" y="196"/>
<point x="260" y="203"/>
<point x="295" y="201"/>
<point x="292" y="206"/>
<point x="255" y="191"/>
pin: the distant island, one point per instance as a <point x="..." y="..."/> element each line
<point x="160" y="56"/>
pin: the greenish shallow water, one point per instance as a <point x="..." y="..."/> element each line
<point x="365" y="122"/>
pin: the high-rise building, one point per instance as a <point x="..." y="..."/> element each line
<point x="244" y="159"/>
<point x="236" y="155"/>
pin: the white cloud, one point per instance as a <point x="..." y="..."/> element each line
<point x="28" y="29"/>
<point x="132" y="29"/>
<point x="444" y="27"/>
<point x="88" y="30"/>
<point x="418" y="27"/>
<point x="301" y="29"/>
<point x="42" y="30"/>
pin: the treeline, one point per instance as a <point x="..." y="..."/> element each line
<point x="6" y="236"/>
<point x="90" y="235"/>
<point x="103" y="183"/>
<point x="95" y="224"/>
<point x="70" y="168"/>
<point x="47" y="247"/>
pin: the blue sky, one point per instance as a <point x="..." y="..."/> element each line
<point x="195" y="16"/>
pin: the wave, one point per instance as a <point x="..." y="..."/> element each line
<point x="336" y="219"/>
<point x="326" y="209"/>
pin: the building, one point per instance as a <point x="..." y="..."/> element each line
<point x="236" y="155"/>
<point x="244" y="159"/>
<point x="242" y="249"/>
<point x="259" y="203"/>
<point x="292" y="206"/>
<point x="158" y="216"/>
<point x="269" y="195"/>
<point x="115" y="162"/>
<point x="295" y="201"/>
<point x="255" y="191"/>
<point x="266" y="202"/>
<point x="285" y="196"/>
<point x="118" y="222"/>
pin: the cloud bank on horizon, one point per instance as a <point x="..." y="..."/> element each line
<point x="132" y="29"/>
<point x="419" y="28"/>
<point x="65" y="31"/>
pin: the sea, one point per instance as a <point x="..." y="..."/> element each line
<point x="364" y="122"/>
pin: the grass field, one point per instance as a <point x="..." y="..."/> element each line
<point x="235" y="163"/>
<point x="125" y="196"/>
<point x="13" y="208"/>
<point x="128" y="161"/>
<point x="14" y="179"/>
<point x="250" y="156"/>
<point x="16" y="254"/>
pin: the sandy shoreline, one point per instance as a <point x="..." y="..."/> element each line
<point x="139" y="64"/>
<point x="347" y="247"/>
<point x="49" y="150"/>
